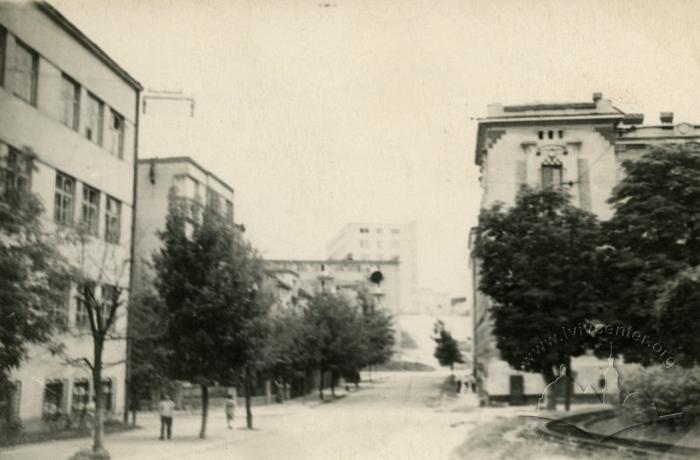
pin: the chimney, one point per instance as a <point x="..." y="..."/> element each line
<point x="666" y="118"/>
<point x="597" y="97"/>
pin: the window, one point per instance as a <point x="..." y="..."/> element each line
<point x="9" y="401"/>
<point x="229" y="211"/>
<point x="3" y="53"/>
<point x="26" y="72"/>
<point x="116" y="134"/>
<point x="15" y="172"/>
<point x="58" y="314"/>
<point x="540" y="135"/>
<point x="70" y="98"/>
<point x="63" y="199"/>
<point x="53" y="399"/>
<point x="550" y="134"/>
<point x="95" y="113"/>
<point x="86" y="293"/>
<point x="364" y="230"/>
<point x="213" y="200"/>
<point x="379" y="231"/>
<point x="561" y="134"/>
<point x="81" y="395"/>
<point x="394" y="231"/>
<point x="113" y="220"/>
<point x="90" y="209"/>
<point x="551" y="176"/>
<point x="364" y="243"/>
<point x="107" y="395"/>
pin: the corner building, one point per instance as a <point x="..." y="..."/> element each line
<point x="576" y="145"/>
<point x="68" y="104"/>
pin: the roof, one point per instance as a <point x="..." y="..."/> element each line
<point x="544" y="113"/>
<point x="181" y="159"/>
<point x="83" y="39"/>
<point x="332" y="261"/>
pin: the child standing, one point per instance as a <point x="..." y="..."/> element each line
<point x="230" y="408"/>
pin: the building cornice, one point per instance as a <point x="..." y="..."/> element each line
<point x="83" y="39"/>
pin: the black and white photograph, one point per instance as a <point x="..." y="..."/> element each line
<point x="349" y="229"/>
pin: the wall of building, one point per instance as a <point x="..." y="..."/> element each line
<point x="59" y="148"/>
<point x="382" y="241"/>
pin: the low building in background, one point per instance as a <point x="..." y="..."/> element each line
<point x="68" y="105"/>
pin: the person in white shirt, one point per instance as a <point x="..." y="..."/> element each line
<point x="165" y="409"/>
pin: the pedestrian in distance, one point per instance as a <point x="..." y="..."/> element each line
<point x="230" y="408"/>
<point x="165" y="409"/>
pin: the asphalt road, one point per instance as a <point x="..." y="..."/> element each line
<point x="400" y="417"/>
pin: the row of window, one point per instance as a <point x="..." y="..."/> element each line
<point x="64" y="208"/>
<point x="22" y="77"/>
<point x="188" y="187"/>
<point x="59" y="313"/>
<point x="394" y="231"/>
<point x="55" y="404"/>
<point x="550" y="134"/>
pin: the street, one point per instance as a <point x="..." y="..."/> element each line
<point x="400" y="416"/>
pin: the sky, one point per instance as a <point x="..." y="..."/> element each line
<point x="321" y="112"/>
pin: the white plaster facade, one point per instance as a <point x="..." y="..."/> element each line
<point x="35" y="122"/>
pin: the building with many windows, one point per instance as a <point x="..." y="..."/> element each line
<point x="67" y="105"/>
<point x="162" y="179"/>
<point x="381" y="242"/>
<point x="578" y="145"/>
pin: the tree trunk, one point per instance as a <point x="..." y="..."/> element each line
<point x="133" y="417"/>
<point x="205" y="411"/>
<point x="98" y="428"/>
<point x="550" y="389"/>
<point x="333" y="378"/>
<point x="248" y="409"/>
<point x="569" y="385"/>
<point x="320" y="386"/>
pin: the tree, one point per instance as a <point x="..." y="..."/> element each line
<point x="677" y="313"/>
<point x="29" y="265"/>
<point x="653" y="237"/>
<point x="446" y="347"/>
<point x="149" y="352"/>
<point x="377" y="328"/>
<point x="334" y="343"/>
<point x="286" y="354"/>
<point x="537" y="262"/>
<point x="207" y="277"/>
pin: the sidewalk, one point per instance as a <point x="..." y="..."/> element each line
<point x="143" y="443"/>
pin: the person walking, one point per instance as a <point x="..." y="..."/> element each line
<point x="165" y="409"/>
<point x="230" y="408"/>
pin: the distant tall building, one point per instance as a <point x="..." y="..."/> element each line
<point x="73" y="110"/>
<point x="382" y="242"/>
<point x="160" y="180"/>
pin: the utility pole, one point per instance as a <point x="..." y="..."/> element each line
<point x="570" y="294"/>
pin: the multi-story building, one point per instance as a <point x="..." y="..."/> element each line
<point x="580" y="145"/>
<point x="70" y="106"/>
<point x="381" y="242"/>
<point x="159" y="180"/>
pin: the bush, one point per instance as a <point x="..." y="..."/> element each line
<point x="671" y="390"/>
